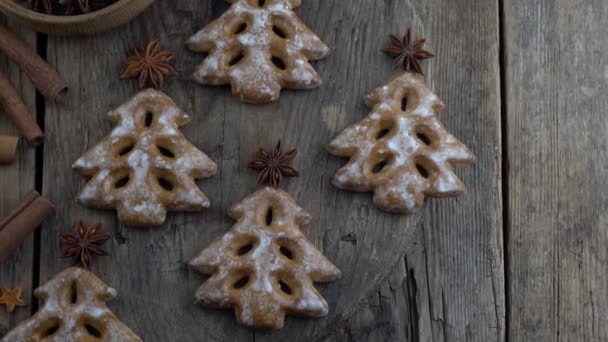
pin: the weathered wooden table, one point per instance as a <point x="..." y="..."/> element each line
<point x="521" y="257"/>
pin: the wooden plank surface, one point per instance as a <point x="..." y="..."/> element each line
<point x="451" y="279"/>
<point x="148" y="266"/>
<point x="444" y="283"/>
<point x="556" y="85"/>
<point x="464" y="237"/>
<point x="450" y="284"/>
<point x="15" y="181"/>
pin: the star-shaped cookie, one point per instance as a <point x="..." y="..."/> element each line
<point x="11" y="298"/>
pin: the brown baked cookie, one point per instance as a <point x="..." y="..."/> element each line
<point x="259" y="47"/>
<point x="264" y="267"/>
<point x="401" y="151"/>
<point x="73" y="308"/>
<point x="146" y="166"/>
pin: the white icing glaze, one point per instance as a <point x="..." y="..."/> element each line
<point x="400" y="187"/>
<point x="255" y="78"/>
<point x="142" y="201"/>
<point x="261" y="303"/>
<point x="70" y="318"/>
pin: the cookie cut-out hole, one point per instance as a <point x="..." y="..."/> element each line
<point x="244" y="244"/>
<point x="236" y="59"/>
<point x="423" y="171"/>
<point x="383" y="128"/>
<point x="239" y="28"/>
<point x="93" y="331"/>
<point x="382" y="133"/>
<point x="126" y="150"/>
<point x="73" y="293"/>
<point x="122" y="182"/>
<point x="166" y="152"/>
<point x="425" y="135"/>
<point x="51" y="330"/>
<point x="287" y="249"/>
<point x="279" y="63"/>
<point x="242" y="282"/>
<point x="379" y="167"/>
<point x="286" y="252"/>
<point x="245" y="249"/>
<point x="148" y="119"/>
<point x="424" y="138"/>
<point x="165" y="183"/>
<point x="404" y="103"/>
<point x="279" y="31"/>
<point x="261" y="3"/>
<point x="269" y="216"/>
<point x="285" y="288"/>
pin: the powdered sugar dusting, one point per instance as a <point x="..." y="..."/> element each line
<point x="262" y="302"/>
<point x="147" y="127"/>
<point x="410" y="143"/>
<point x="90" y="308"/>
<point x="256" y="77"/>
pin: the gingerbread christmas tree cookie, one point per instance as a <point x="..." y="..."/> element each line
<point x="259" y="47"/>
<point x="264" y="267"/>
<point x="146" y="166"/>
<point x="401" y="151"/>
<point x="72" y="309"/>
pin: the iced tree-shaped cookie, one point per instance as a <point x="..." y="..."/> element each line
<point x="73" y="309"/>
<point x="259" y="47"/>
<point x="401" y="151"/>
<point x="145" y="166"/>
<point x="264" y="267"/>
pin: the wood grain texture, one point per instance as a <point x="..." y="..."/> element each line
<point x="398" y="310"/>
<point x="148" y="267"/>
<point x="450" y="285"/>
<point x="463" y="238"/>
<point x="15" y="181"/>
<point x="556" y="84"/>
<point x="446" y="282"/>
<point x="463" y="293"/>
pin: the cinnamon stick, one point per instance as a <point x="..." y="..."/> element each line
<point x="18" y="112"/>
<point x="8" y="149"/>
<point x="31" y="211"/>
<point x="44" y="77"/>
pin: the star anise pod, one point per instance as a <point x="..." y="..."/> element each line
<point x="407" y="51"/>
<point x="274" y="166"/>
<point x="150" y="64"/>
<point x="84" y="243"/>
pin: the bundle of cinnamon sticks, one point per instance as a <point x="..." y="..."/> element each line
<point x="45" y="79"/>
<point x="33" y="209"/>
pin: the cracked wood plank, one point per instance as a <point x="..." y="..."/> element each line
<point x="397" y="310"/>
<point x="411" y="305"/>
<point x="456" y="262"/>
<point x="463" y="239"/>
<point x="15" y="181"/>
<point x="556" y="85"/>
